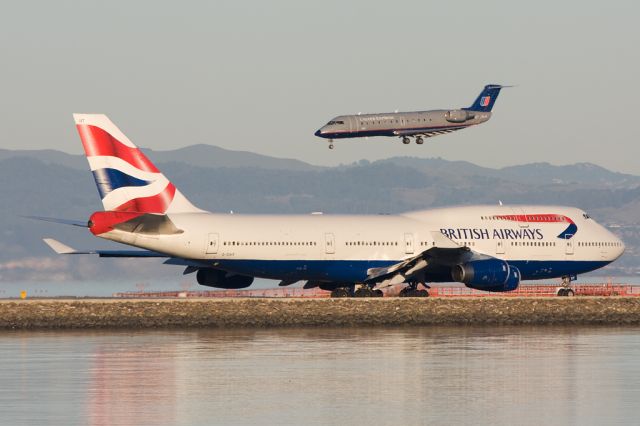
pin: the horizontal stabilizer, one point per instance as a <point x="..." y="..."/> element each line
<point x="58" y="247"/>
<point x="61" y="248"/>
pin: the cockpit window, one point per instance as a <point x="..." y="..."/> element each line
<point x="332" y="122"/>
<point x="586" y="216"/>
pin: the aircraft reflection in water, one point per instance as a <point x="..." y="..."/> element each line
<point x="132" y="382"/>
<point x="490" y="248"/>
<point x="263" y="376"/>
<point x="418" y="124"/>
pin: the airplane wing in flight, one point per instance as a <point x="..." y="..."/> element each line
<point x="427" y="133"/>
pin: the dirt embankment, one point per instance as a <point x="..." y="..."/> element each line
<point x="137" y="314"/>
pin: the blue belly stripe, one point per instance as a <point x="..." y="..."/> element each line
<point x="356" y="270"/>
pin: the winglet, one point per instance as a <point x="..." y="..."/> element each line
<point x="442" y="241"/>
<point x="58" y="247"/>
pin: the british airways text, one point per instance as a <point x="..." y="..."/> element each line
<point x="499" y="233"/>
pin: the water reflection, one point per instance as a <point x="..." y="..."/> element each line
<point x="322" y="376"/>
<point x="132" y="383"/>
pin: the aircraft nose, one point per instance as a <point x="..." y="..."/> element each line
<point x="318" y="133"/>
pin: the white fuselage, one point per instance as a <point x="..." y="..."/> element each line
<point x="552" y="241"/>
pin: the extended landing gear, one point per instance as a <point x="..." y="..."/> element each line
<point x="419" y="140"/>
<point x="406" y="140"/>
<point x="367" y="292"/>
<point x="330" y="143"/>
<point x="341" y="292"/>
<point x="412" y="291"/>
<point x="362" y="291"/>
<point x="565" y="290"/>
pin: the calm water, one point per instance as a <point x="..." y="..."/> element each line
<point x="323" y="376"/>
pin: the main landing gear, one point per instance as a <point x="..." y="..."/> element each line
<point x="352" y="291"/>
<point x="412" y="290"/>
<point x="566" y="289"/>
<point x="406" y="140"/>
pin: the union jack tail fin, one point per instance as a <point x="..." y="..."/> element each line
<point x="484" y="102"/>
<point x="127" y="181"/>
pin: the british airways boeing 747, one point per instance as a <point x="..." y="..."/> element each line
<point x="489" y="248"/>
<point x="416" y="124"/>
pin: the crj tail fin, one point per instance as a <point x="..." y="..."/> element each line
<point x="487" y="98"/>
<point x="127" y="181"/>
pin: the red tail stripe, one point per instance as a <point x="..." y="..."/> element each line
<point x="158" y="203"/>
<point x="98" y="142"/>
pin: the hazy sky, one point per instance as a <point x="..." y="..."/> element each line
<point x="264" y="75"/>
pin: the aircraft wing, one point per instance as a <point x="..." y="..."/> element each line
<point x="61" y="248"/>
<point x="445" y="252"/>
<point x="427" y="133"/>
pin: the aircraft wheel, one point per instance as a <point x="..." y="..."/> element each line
<point x="330" y="146"/>
<point x="419" y="141"/>
<point x="340" y="292"/>
<point x="570" y="293"/>
<point x="408" y="292"/>
<point x="422" y="293"/>
<point x="406" y="140"/>
<point x="378" y="293"/>
<point x="562" y="292"/>
<point x="363" y="292"/>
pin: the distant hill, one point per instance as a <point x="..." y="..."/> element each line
<point x="579" y="174"/>
<point x="213" y="156"/>
<point x="52" y="183"/>
<point x="195" y="155"/>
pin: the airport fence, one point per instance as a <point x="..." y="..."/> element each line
<point x="525" y="290"/>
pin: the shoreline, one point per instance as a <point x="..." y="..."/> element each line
<point x="60" y="314"/>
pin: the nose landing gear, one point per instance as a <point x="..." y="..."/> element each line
<point x="566" y="289"/>
<point x="330" y="143"/>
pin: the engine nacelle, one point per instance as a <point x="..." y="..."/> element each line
<point x="458" y="116"/>
<point x="216" y="278"/>
<point x="487" y="275"/>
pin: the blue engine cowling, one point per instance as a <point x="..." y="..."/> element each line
<point x="216" y="278"/>
<point x="487" y="275"/>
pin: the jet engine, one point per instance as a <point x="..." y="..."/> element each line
<point x="216" y="278"/>
<point x="487" y="275"/>
<point x="458" y="116"/>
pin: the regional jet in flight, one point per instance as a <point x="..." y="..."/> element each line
<point x="489" y="248"/>
<point x="416" y="124"/>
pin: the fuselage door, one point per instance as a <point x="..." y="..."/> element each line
<point x="408" y="243"/>
<point x="521" y="217"/>
<point x="212" y="243"/>
<point x="568" y="244"/>
<point x="329" y="243"/>
<point x="352" y="124"/>
<point x="499" y="247"/>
